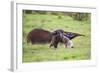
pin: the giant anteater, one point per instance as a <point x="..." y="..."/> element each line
<point x="43" y="36"/>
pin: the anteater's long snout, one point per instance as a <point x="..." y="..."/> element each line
<point x="80" y="35"/>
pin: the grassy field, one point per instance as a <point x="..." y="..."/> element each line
<point x="42" y="52"/>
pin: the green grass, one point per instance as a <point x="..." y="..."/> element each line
<point x="42" y="52"/>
